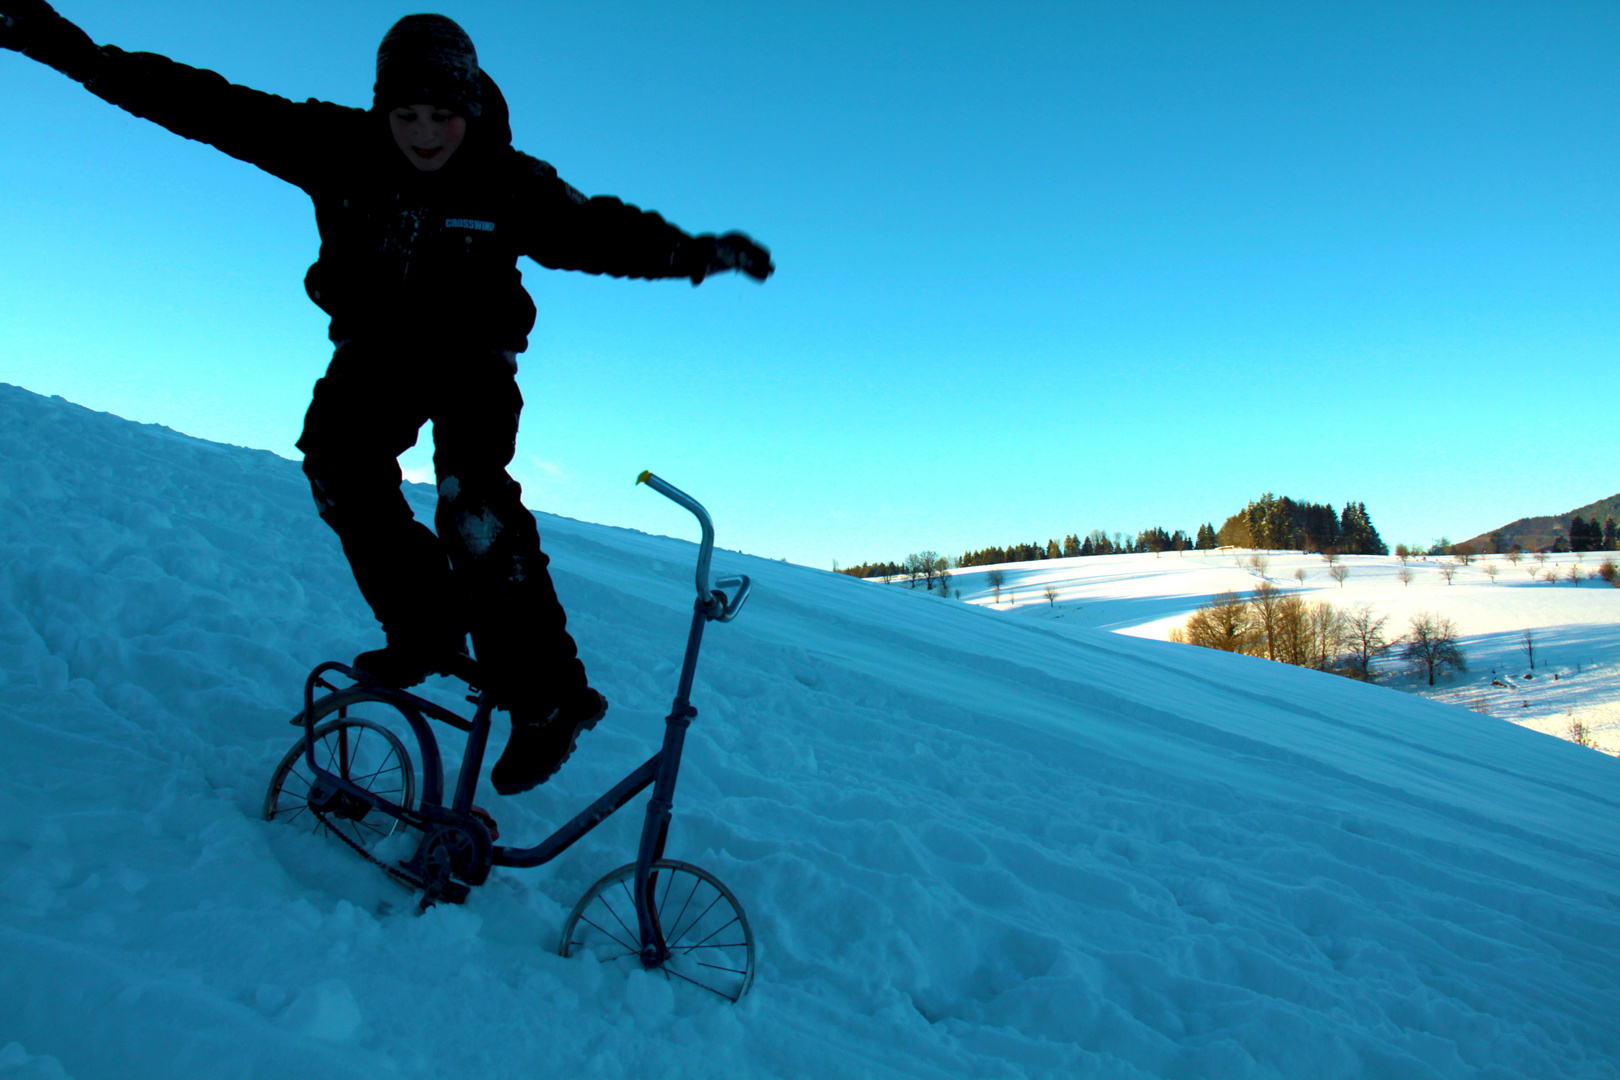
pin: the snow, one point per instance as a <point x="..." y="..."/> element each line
<point x="970" y="844"/>
<point x="1492" y="600"/>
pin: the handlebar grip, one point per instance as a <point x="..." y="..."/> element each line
<point x="706" y="547"/>
<point x="715" y="603"/>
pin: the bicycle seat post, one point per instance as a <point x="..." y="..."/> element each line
<point x="473" y="757"/>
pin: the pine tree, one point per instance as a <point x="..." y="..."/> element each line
<point x="1577" y="534"/>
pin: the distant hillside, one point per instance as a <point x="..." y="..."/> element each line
<point x="1536" y="533"/>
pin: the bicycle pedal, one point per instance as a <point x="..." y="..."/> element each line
<point x="443" y="892"/>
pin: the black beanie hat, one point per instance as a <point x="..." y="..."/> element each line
<point x="428" y="60"/>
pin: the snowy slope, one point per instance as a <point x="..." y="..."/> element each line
<point x="971" y="846"/>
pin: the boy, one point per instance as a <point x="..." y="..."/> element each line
<point x="423" y="207"/>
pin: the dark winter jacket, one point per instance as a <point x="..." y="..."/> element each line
<point x="395" y="239"/>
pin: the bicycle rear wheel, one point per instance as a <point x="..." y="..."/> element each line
<point x="361" y="751"/>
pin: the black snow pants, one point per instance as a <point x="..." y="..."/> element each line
<point x="484" y="572"/>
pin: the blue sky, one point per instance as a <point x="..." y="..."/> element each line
<point x="1044" y="268"/>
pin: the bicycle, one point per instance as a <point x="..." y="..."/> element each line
<point x="670" y="915"/>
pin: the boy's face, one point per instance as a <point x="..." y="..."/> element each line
<point x="427" y="135"/>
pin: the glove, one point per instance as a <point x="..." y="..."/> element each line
<point x="33" y="28"/>
<point x="708" y="254"/>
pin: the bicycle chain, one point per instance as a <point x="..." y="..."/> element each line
<point x="392" y="871"/>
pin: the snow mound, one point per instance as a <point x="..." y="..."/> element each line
<point x="970" y="846"/>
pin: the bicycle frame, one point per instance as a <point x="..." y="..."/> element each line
<point x="659" y="771"/>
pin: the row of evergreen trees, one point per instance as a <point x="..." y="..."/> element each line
<point x="1269" y="522"/>
<point x="1282" y="524"/>
<point x="1097" y="542"/>
<point x="1591" y="536"/>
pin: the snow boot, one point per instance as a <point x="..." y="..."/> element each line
<point x="542" y="739"/>
<point x="406" y="661"/>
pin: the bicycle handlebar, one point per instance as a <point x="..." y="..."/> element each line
<point x="717" y="604"/>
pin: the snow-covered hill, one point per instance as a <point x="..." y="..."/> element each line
<point x="1572" y="613"/>
<point x="970" y="845"/>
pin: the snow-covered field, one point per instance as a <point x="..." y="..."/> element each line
<point x="1492" y="600"/>
<point x="971" y="845"/>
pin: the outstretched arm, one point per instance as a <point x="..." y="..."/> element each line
<point x="33" y="28"/>
<point x="604" y="235"/>
<point x="709" y="254"/>
<point x="247" y="124"/>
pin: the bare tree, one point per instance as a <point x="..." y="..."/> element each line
<point x="1364" y="637"/>
<point x="1405" y="574"/>
<point x="1307" y="635"/>
<point x="1299" y="575"/>
<point x="1267" y="597"/>
<point x="1328" y="629"/>
<point x="1514" y="555"/>
<point x="1260" y="564"/>
<point x="914" y="569"/>
<point x="1431" y="644"/>
<point x="1447" y="570"/>
<point x="1224" y="623"/>
<point x="1491" y="570"/>
<point x="929" y="564"/>
<point x="1051" y="594"/>
<point x="1575" y="573"/>
<point x="1338" y="572"/>
<point x="1527" y="642"/>
<point x="997" y="579"/>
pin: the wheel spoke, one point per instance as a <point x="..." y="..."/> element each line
<point x="716" y="926"/>
<point x="694" y="922"/>
<point x="633" y="950"/>
<point x="696" y="881"/>
<point x="373" y="775"/>
<point x="378" y="829"/>
<point x="360" y="752"/>
<point x="694" y="982"/>
<point x="669" y="883"/>
<point x="352" y="751"/>
<point x="603" y="898"/>
<point x="704" y="943"/>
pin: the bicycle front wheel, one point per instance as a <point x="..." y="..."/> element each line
<point x="707" y="940"/>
